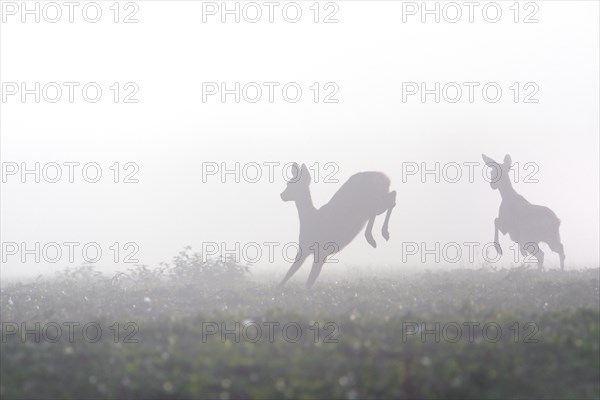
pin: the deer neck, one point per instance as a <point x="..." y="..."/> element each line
<point x="306" y="210"/>
<point x="507" y="191"/>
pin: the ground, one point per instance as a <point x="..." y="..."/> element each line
<point x="524" y="333"/>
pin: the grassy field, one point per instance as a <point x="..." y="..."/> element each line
<point x="537" y="336"/>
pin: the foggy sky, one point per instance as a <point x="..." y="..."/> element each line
<point x="368" y="54"/>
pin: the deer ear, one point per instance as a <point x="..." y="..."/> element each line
<point x="295" y="170"/>
<point x="507" y="161"/>
<point x="305" y="173"/>
<point x="488" y="160"/>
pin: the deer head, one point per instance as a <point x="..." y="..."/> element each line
<point x="298" y="186"/>
<point x="499" y="172"/>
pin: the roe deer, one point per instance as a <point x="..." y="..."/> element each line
<point x="527" y="224"/>
<point x="327" y="230"/>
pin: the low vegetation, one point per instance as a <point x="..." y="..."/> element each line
<point x="361" y="338"/>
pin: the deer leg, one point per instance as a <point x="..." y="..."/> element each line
<point x="532" y="249"/>
<point x="384" y="230"/>
<point x="523" y="250"/>
<point x="539" y="254"/>
<point x="295" y="266"/>
<point x="314" y="273"/>
<point x="557" y="247"/>
<point x="496" y="243"/>
<point x="369" y="232"/>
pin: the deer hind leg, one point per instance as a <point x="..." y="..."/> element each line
<point x="391" y="204"/>
<point x="295" y="266"/>
<point x="369" y="232"/>
<point x="314" y="273"/>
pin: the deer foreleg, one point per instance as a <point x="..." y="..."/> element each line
<point x="496" y="243"/>
<point x="539" y="254"/>
<point x="295" y="266"/>
<point x="314" y="273"/>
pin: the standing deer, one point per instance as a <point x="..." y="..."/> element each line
<point x="327" y="230"/>
<point x="527" y="224"/>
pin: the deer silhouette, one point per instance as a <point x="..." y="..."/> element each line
<point x="327" y="230"/>
<point x="527" y="224"/>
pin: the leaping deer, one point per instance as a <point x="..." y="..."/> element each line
<point x="327" y="230"/>
<point x="527" y="224"/>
